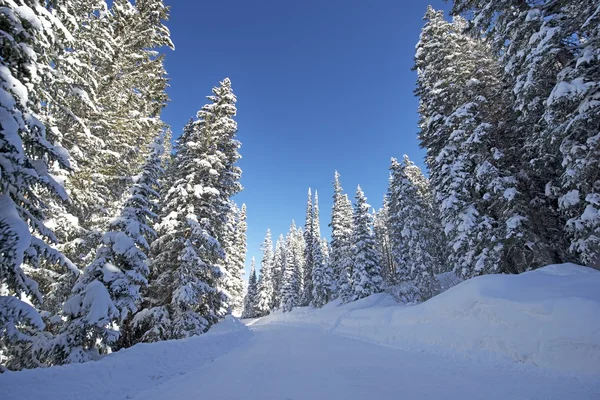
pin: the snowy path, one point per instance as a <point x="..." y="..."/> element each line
<point x="291" y="362"/>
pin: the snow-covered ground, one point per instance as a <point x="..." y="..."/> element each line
<point x="531" y="336"/>
<point x="548" y="318"/>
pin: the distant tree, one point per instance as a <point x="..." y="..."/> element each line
<point x="366" y="273"/>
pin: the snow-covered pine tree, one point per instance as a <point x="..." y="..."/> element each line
<point x="264" y="299"/>
<point x="471" y="154"/>
<point x="573" y="117"/>
<point x="322" y="278"/>
<point x="278" y="268"/>
<point x="411" y="196"/>
<point x="532" y="45"/>
<point x="251" y="293"/>
<point x="183" y="298"/>
<point x="341" y="231"/>
<point x="384" y="248"/>
<point x="291" y="279"/>
<point x="110" y="111"/>
<point x="235" y="255"/>
<point x="27" y="149"/>
<point x="306" y="294"/>
<point x="395" y="224"/>
<point x="366" y="273"/>
<point x="109" y="291"/>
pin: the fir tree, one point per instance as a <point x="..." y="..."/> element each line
<point x="264" y="300"/>
<point x="109" y="291"/>
<point x="183" y="298"/>
<point x="291" y="279"/>
<point x="306" y="294"/>
<point x="251" y="293"/>
<point x="341" y="231"/>
<point x="27" y="148"/>
<point x="279" y="259"/>
<point x="366" y="273"/>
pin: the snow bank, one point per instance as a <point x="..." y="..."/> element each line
<point x="123" y="374"/>
<point x="549" y="318"/>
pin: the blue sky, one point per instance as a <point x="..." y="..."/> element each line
<point x="321" y="85"/>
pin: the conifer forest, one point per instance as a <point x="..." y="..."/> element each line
<point x="116" y="230"/>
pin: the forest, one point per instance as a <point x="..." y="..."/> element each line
<point x="113" y="234"/>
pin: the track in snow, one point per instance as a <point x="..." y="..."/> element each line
<point x="286" y="362"/>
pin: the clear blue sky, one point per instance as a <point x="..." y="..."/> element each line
<point x="321" y="85"/>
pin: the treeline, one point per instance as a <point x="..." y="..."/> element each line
<point x="108" y="237"/>
<point x="510" y="120"/>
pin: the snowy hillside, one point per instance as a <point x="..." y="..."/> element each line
<point x="539" y="330"/>
<point x="549" y="318"/>
<point x="121" y="375"/>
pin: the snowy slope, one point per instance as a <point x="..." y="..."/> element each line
<point x="539" y="331"/>
<point x="549" y="318"/>
<point x="121" y="375"/>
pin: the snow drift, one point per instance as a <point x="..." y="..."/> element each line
<point x="125" y="373"/>
<point x="549" y="318"/>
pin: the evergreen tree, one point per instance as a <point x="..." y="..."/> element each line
<point x="573" y="117"/>
<point x="291" y="280"/>
<point x="251" y="293"/>
<point x="264" y="300"/>
<point x="322" y="277"/>
<point x="341" y="231"/>
<point x="183" y="297"/>
<point x="471" y="154"/>
<point x="382" y="238"/>
<point x="279" y="259"/>
<point x="235" y="257"/>
<point x="366" y="273"/>
<point x="27" y="149"/>
<point x="109" y="291"/>
<point x="306" y="294"/>
<point x="411" y="192"/>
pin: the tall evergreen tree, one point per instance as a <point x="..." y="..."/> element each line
<point x="279" y="259"/>
<point x="27" y="149"/>
<point x="573" y="117"/>
<point x="366" y="273"/>
<point x="183" y="298"/>
<point x="251" y="293"/>
<point x="291" y="284"/>
<point x="236" y="258"/>
<point x="109" y="291"/>
<point x="264" y="300"/>
<point x="341" y="231"/>
<point x="306" y="295"/>
<point x="471" y="154"/>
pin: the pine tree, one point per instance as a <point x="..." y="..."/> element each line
<point x="573" y="117"/>
<point x="264" y="300"/>
<point x="251" y="293"/>
<point x="109" y="291"/>
<point x="27" y="149"/>
<point x="279" y="259"/>
<point x="183" y="298"/>
<point x="235" y="257"/>
<point x="306" y="294"/>
<point x="395" y="224"/>
<point x="322" y="277"/>
<point x="382" y="238"/>
<point x="292" y="274"/>
<point x="411" y="195"/>
<point x="471" y="154"/>
<point x="366" y="273"/>
<point x="341" y="231"/>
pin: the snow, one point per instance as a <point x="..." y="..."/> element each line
<point x="548" y="318"/>
<point x="121" y="375"/>
<point x="538" y="331"/>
